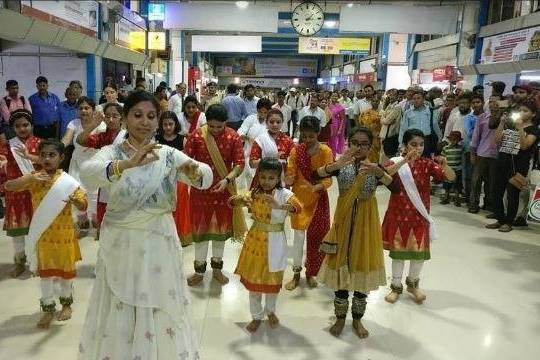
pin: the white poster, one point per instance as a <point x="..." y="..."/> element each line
<point x="77" y="15"/>
<point x="267" y="82"/>
<point x="286" y="67"/>
<point x="512" y="46"/>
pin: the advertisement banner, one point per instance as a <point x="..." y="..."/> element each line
<point x="237" y="65"/>
<point x="512" y="46"/>
<point x="267" y="82"/>
<point x="129" y="35"/>
<point x="534" y="207"/>
<point x="334" y="46"/>
<point x="286" y="67"/>
<point x="80" y="16"/>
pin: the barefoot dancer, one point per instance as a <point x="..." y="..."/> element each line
<point x="52" y="247"/>
<point x="407" y="227"/>
<point x="354" y="259"/>
<point x="212" y="220"/>
<point x="313" y="222"/>
<point x="20" y="154"/>
<point x="264" y="253"/>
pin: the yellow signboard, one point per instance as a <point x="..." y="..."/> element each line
<point x="156" y="40"/>
<point x="334" y="46"/>
<point x="137" y="39"/>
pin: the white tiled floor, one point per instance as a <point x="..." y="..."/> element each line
<point x="483" y="302"/>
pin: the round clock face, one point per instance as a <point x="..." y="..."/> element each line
<point x="307" y="18"/>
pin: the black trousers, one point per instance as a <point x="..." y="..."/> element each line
<point x="505" y="170"/>
<point x="484" y="172"/>
<point x="46" y="132"/>
<point x="293" y="123"/>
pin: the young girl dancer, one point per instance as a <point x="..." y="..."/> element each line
<point x="20" y="154"/>
<point x="52" y="247"/>
<point x="272" y="143"/>
<point x="354" y="260"/>
<point x="264" y="253"/>
<point x="314" y="221"/>
<point x="169" y="134"/>
<point x="407" y="227"/>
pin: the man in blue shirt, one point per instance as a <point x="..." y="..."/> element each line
<point x="420" y="116"/>
<point x="469" y="123"/>
<point x="236" y="107"/>
<point x="68" y="110"/>
<point x="45" y="107"/>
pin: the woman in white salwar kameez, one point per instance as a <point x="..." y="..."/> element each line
<point x="140" y="307"/>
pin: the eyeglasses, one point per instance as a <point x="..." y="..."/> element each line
<point x="362" y="144"/>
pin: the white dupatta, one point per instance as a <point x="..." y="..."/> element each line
<point x="405" y="174"/>
<point x="268" y="145"/>
<point x="277" y="242"/>
<point x="24" y="165"/>
<point x="50" y="207"/>
<point x="103" y="196"/>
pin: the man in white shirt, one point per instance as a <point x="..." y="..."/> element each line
<point x="348" y="104"/>
<point x="364" y="104"/>
<point x="406" y="103"/>
<point x="176" y="102"/>
<point x="305" y="96"/>
<point x="314" y="110"/>
<point x="457" y="116"/>
<point x="285" y="109"/>
<point x="296" y="104"/>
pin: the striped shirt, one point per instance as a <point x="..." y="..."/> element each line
<point x="453" y="155"/>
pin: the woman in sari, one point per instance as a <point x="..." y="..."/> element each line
<point x="337" y="125"/>
<point x="271" y="144"/>
<point x="354" y="259"/>
<point x="140" y="307"/>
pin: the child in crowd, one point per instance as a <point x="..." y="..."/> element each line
<point x="169" y="134"/>
<point x="52" y="246"/>
<point x="19" y="155"/>
<point x="264" y="253"/>
<point x="314" y="221"/>
<point x="113" y="134"/>
<point x="408" y="228"/>
<point x="453" y="152"/>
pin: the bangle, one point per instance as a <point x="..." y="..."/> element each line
<point x="117" y="168"/>
<point x="228" y="180"/>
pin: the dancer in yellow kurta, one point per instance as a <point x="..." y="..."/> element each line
<point x="264" y="253"/>
<point x="52" y="247"/>
<point x="313" y="222"/>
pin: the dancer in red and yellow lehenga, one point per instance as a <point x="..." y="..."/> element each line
<point x="20" y="155"/>
<point x="314" y="221"/>
<point x="213" y="220"/>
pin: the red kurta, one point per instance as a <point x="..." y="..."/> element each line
<point x="284" y="144"/>
<point x="18" y="204"/>
<point x="405" y="231"/>
<point x="211" y="218"/>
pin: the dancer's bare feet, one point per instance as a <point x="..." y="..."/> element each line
<point x="195" y="279"/>
<point x="18" y="270"/>
<point x="337" y="328"/>
<point x="253" y="326"/>
<point x="293" y="284"/>
<point x="311" y="282"/>
<point x="219" y="277"/>
<point x="65" y="313"/>
<point x="45" y="320"/>
<point x="392" y="297"/>
<point x="273" y="320"/>
<point x="419" y="296"/>
<point x="359" y="329"/>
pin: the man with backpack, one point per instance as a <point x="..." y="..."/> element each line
<point x="11" y="102"/>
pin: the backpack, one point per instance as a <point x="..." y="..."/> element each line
<point x="7" y="99"/>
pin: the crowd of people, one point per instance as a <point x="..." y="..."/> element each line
<point x="154" y="172"/>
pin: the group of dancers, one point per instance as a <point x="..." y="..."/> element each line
<point x="164" y="179"/>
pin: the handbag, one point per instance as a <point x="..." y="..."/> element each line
<point x="519" y="181"/>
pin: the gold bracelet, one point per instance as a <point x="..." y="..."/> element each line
<point x="117" y="168"/>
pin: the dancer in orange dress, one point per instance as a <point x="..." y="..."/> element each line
<point x="313" y="222"/>
<point x="19" y="154"/>
<point x="52" y="246"/>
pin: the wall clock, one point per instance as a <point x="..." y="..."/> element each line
<point x="307" y="18"/>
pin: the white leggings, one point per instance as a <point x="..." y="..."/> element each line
<point x="256" y="307"/>
<point x="398" y="266"/>
<point x="52" y="287"/>
<point x="18" y="247"/>
<point x="201" y="250"/>
<point x="298" y="247"/>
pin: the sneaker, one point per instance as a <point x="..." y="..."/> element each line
<point x="474" y="210"/>
<point x="505" y="228"/>
<point x="491" y="216"/>
<point x="495" y="225"/>
<point x="520" y="221"/>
